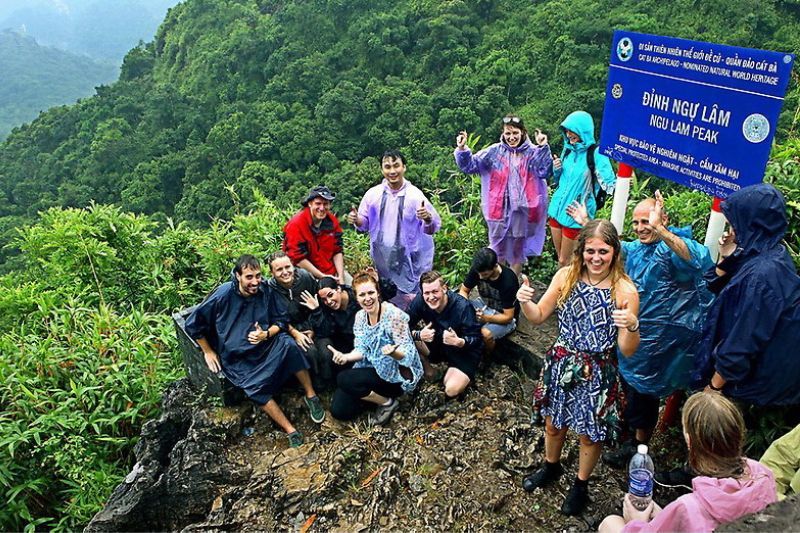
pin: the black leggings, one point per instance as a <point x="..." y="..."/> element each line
<point x="355" y="383"/>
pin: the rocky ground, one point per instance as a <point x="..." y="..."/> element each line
<point x="437" y="465"/>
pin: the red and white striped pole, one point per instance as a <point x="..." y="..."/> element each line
<point x="621" y="192"/>
<point x="716" y="225"/>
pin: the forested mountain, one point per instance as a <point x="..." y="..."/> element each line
<point x="100" y="29"/>
<point x="221" y="123"/>
<point x="36" y="78"/>
<point x="280" y="94"/>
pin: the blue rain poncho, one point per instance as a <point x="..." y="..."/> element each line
<point x="574" y="179"/>
<point x="752" y="333"/>
<point x="673" y="302"/>
<point x="225" y="319"/>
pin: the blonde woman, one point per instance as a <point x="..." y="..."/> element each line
<point x="729" y="485"/>
<point x="597" y="306"/>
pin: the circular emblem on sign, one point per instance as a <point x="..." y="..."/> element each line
<point x="616" y="91"/>
<point x="755" y="128"/>
<point x="625" y="49"/>
<point x="787" y="59"/>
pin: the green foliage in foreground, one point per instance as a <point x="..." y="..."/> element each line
<point x="88" y="345"/>
<point x="284" y="95"/>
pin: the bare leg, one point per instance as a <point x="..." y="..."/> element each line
<point x="612" y="524"/>
<point x="455" y="381"/>
<point x="565" y="253"/>
<point x="488" y="341"/>
<point x="374" y="397"/>
<point x="553" y="441"/>
<point x="274" y="411"/>
<point x="424" y="352"/>
<point x="556" y="234"/>
<point x="305" y="380"/>
<point x="590" y="453"/>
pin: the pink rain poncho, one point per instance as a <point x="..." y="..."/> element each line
<point x="513" y="195"/>
<point x="712" y="502"/>
<point x="401" y="245"/>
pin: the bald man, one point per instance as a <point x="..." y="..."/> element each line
<point x="667" y="266"/>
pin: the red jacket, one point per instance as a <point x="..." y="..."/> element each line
<point x="301" y="240"/>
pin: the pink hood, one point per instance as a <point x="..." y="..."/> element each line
<point x="727" y="499"/>
<point x="713" y="502"/>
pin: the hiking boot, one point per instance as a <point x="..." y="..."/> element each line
<point x="383" y="413"/>
<point x="576" y="499"/>
<point x="315" y="409"/>
<point x="677" y="477"/>
<point x="620" y="457"/>
<point x="295" y="439"/>
<point x="544" y="476"/>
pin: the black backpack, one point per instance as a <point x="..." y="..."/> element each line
<point x="600" y="195"/>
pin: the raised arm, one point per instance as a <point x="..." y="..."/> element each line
<point x="538" y="312"/>
<point x="626" y="319"/>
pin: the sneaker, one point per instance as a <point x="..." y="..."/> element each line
<point x="383" y="413"/>
<point x="295" y="439"/>
<point x="620" y="457"/>
<point x="576" y="500"/>
<point x="677" y="477"/>
<point x="315" y="409"/>
<point x="542" y="477"/>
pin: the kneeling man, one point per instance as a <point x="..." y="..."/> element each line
<point x="450" y="333"/>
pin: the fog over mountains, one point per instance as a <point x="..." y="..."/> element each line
<point x="54" y="52"/>
<point x="101" y="29"/>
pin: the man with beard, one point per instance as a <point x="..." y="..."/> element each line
<point x="240" y="329"/>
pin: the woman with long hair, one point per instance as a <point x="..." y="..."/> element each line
<point x="597" y="306"/>
<point x="387" y="364"/>
<point x="513" y="189"/>
<point x="728" y="487"/>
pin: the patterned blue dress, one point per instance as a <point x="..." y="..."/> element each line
<point x="579" y="386"/>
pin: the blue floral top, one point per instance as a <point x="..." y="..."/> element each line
<point x="585" y="322"/>
<point x="392" y="328"/>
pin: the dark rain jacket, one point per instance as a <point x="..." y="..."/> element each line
<point x="225" y="319"/>
<point x="752" y="332"/>
<point x="299" y="314"/>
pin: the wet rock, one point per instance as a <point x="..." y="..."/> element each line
<point x="780" y="516"/>
<point x="180" y="463"/>
<point x="439" y="464"/>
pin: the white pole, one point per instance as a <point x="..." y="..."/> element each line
<point x="716" y="225"/>
<point x="621" y="193"/>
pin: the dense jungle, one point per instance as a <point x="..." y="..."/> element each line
<point x="129" y="205"/>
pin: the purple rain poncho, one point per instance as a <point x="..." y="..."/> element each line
<point x="401" y="254"/>
<point x="513" y="195"/>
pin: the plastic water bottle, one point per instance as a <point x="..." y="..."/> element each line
<point x="640" y="478"/>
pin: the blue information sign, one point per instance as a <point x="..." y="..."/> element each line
<point x="696" y="113"/>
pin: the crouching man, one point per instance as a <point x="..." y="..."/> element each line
<point x="450" y="332"/>
<point x="241" y="330"/>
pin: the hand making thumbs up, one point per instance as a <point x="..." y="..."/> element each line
<point x="257" y="335"/>
<point x="423" y="213"/>
<point x="525" y="293"/>
<point x="352" y="216"/>
<point x="426" y="333"/>
<point x="623" y="318"/>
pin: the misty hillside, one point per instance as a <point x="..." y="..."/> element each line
<point x="100" y="29"/>
<point x="37" y="77"/>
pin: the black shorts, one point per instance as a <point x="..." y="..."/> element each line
<point x="641" y="410"/>
<point x="465" y="360"/>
